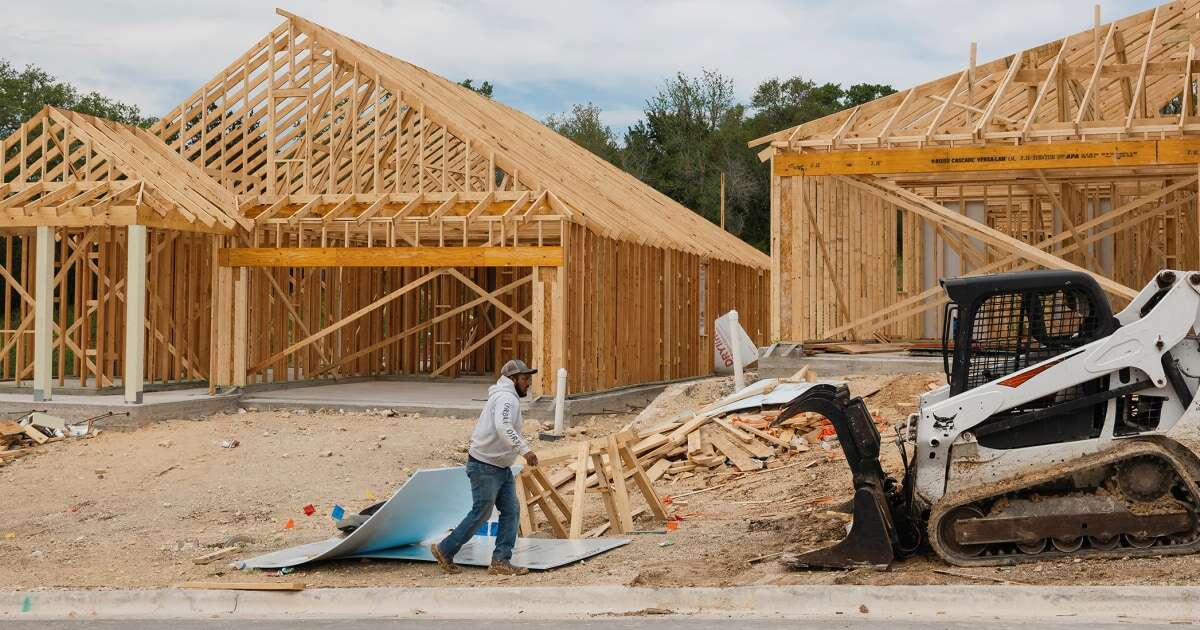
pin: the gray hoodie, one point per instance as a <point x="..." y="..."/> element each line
<point x="497" y="439"/>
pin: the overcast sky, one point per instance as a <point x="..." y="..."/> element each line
<point x="543" y="56"/>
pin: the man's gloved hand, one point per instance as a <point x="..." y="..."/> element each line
<point x="531" y="458"/>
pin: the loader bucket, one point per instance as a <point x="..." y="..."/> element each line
<point x="872" y="539"/>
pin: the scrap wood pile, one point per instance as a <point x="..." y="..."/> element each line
<point x="734" y="432"/>
<point x="32" y="429"/>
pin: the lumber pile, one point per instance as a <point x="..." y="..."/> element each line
<point x="33" y="429"/>
<point x="707" y="441"/>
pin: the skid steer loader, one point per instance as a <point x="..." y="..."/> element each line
<point x="1064" y="430"/>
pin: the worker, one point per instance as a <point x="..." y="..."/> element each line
<point x="495" y="445"/>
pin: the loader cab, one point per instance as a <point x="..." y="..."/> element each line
<point x="999" y="324"/>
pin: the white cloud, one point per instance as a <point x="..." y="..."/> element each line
<point x="544" y="55"/>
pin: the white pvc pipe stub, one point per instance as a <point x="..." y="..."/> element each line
<point x="735" y="345"/>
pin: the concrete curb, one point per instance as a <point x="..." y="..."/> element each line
<point x="910" y="603"/>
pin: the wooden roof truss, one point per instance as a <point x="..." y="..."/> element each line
<point x="307" y="111"/>
<point x="67" y="169"/>
<point x="1112" y="81"/>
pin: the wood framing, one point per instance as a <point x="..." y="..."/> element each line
<point x="320" y="209"/>
<point x="1110" y="82"/>
<point x="1079" y="154"/>
<point x="1054" y="155"/>
<point x="545" y="256"/>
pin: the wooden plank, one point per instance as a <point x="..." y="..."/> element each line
<point x="219" y="554"/>
<point x="740" y="458"/>
<point x="524" y="256"/>
<point x="771" y="439"/>
<point x="525" y="523"/>
<point x="34" y="434"/>
<point x="605" y="488"/>
<point x="643" y="483"/>
<point x="581" y="463"/>
<point x="245" y="586"/>
<point x="938" y="159"/>
<point x="737" y="433"/>
<point x="680" y="435"/>
<point x="620" y="490"/>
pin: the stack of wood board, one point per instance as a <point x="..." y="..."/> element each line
<point x="708" y="440"/>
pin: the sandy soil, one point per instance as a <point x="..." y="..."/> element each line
<point x="132" y="509"/>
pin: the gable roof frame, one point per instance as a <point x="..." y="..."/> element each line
<point x="1105" y="83"/>
<point x="71" y="169"/>
<point x="466" y="133"/>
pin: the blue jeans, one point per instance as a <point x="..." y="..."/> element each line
<point x="490" y="486"/>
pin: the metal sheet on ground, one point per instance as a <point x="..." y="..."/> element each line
<point x="430" y="502"/>
<point x="534" y="553"/>
<point x="428" y="505"/>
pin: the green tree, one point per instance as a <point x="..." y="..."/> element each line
<point x="690" y="135"/>
<point x="24" y="92"/>
<point x="484" y="88"/>
<point x="583" y="126"/>
<point x="860" y="93"/>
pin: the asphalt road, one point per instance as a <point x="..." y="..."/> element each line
<point x="640" y="623"/>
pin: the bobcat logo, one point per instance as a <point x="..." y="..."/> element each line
<point x="944" y="423"/>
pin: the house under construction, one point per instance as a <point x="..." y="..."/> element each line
<point x="322" y="210"/>
<point x="1079" y="153"/>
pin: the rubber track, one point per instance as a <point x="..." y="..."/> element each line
<point x="1127" y="449"/>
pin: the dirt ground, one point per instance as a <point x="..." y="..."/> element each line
<point x="131" y="509"/>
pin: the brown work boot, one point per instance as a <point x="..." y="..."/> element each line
<point x="443" y="561"/>
<point x="505" y="568"/>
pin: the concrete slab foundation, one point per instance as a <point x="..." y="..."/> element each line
<point x="162" y="405"/>
<point x="460" y="398"/>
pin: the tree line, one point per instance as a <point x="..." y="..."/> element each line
<point x="24" y="91"/>
<point x="694" y="129"/>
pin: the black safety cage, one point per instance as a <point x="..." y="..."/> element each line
<point x="1005" y="323"/>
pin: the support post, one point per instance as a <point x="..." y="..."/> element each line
<point x="135" y="313"/>
<point x="560" y="403"/>
<point x="43" y="312"/>
<point x="241" y="314"/>
<point x="548" y="333"/>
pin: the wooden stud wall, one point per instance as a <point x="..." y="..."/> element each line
<point x="840" y="259"/>
<point x="633" y="312"/>
<point x="89" y="312"/>
<point x="440" y="327"/>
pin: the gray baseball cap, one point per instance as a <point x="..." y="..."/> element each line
<point x="515" y="367"/>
